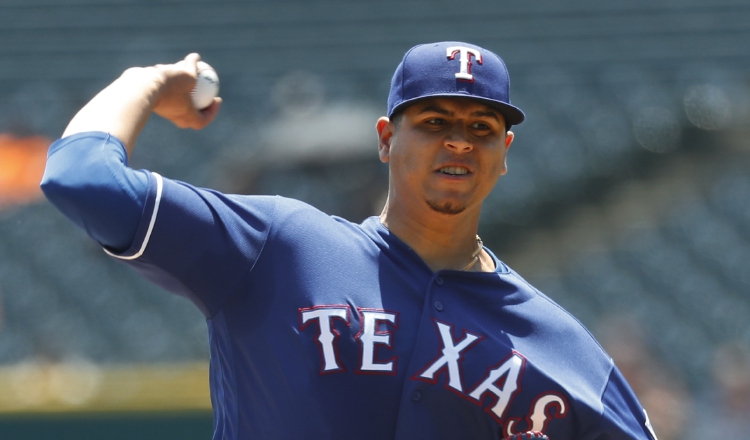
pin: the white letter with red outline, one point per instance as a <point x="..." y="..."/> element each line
<point x="510" y="369"/>
<point x="464" y="59"/>
<point x="541" y="414"/>
<point x="324" y="315"/>
<point x="451" y="355"/>
<point x="370" y="336"/>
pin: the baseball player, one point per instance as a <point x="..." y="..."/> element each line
<point x="402" y="327"/>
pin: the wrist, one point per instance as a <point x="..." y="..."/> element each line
<point x="142" y="82"/>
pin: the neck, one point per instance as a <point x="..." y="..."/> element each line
<point x="442" y="241"/>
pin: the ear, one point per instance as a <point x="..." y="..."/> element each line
<point x="509" y="136"/>
<point x="385" y="135"/>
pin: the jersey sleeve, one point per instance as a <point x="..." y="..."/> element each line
<point x="87" y="179"/>
<point x="198" y="242"/>
<point x="623" y="417"/>
<point x="194" y="242"/>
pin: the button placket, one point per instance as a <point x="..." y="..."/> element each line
<point x="440" y="281"/>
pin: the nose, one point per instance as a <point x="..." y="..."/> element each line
<point x="457" y="140"/>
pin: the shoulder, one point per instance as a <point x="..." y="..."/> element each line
<point x="558" y="323"/>
<point x="559" y="342"/>
<point x="303" y="225"/>
<point x="293" y="215"/>
<point x="556" y="315"/>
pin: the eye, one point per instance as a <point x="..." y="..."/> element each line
<point x="482" y="127"/>
<point x="435" y="121"/>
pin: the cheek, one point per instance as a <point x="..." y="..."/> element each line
<point x="502" y="160"/>
<point x="499" y="165"/>
<point x="406" y="155"/>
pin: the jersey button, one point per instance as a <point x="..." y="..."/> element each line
<point x="416" y="396"/>
<point x="438" y="306"/>
<point x="439" y="281"/>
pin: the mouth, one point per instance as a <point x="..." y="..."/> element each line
<point x="454" y="171"/>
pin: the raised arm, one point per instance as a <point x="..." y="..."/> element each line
<point x="87" y="177"/>
<point x="123" y="107"/>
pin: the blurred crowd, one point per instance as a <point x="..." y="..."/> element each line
<point x="627" y="198"/>
<point x="715" y="409"/>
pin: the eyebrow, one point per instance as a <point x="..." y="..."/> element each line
<point x="434" y="108"/>
<point x="486" y="113"/>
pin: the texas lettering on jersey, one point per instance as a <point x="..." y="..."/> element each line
<point x="502" y="380"/>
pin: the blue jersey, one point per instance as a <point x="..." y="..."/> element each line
<point x="322" y="328"/>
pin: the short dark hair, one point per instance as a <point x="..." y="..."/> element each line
<point x="397" y="117"/>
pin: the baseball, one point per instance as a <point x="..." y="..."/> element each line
<point x="206" y="86"/>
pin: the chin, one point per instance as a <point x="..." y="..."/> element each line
<point x="447" y="208"/>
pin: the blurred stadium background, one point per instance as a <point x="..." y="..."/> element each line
<point x="627" y="198"/>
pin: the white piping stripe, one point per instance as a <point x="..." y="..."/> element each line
<point x="159" y="188"/>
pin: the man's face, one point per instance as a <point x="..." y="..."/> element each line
<point x="444" y="152"/>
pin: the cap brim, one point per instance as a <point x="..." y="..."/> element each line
<point x="512" y="114"/>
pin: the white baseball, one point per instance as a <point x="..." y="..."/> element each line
<point x="206" y="86"/>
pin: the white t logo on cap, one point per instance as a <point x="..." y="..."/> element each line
<point x="464" y="58"/>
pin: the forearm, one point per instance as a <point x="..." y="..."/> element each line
<point x="122" y="109"/>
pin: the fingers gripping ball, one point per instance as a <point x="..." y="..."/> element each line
<point x="206" y="86"/>
<point x="530" y="435"/>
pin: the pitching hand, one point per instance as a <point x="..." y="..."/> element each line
<point x="173" y="99"/>
<point x="124" y="106"/>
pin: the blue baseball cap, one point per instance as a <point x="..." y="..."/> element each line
<point x="453" y="69"/>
